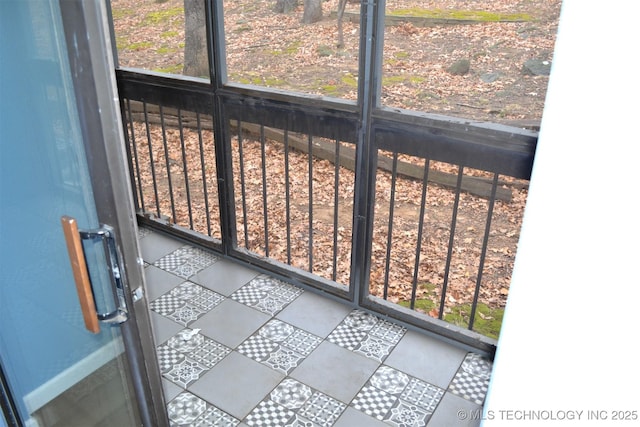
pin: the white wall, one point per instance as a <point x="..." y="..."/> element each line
<point x="572" y="324"/>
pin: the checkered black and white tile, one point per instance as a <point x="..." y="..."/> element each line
<point x="280" y="346"/>
<point x="388" y="395"/>
<point x="186" y="261"/>
<point x="186" y="303"/>
<point x="188" y="355"/>
<point x="472" y="379"/>
<point x="397" y="398"/>
<point x="267" y="294"/>
<point x="293" y="403"/>
<point x="367" y="334"/>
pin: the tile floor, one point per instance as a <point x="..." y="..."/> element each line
<point x="237" y="348"/>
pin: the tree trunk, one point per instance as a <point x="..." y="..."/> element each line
<point x="196" y="59"/>
<point x="342" y="4"/>
<point x="285" y="6"/>
<point x="312" y="11"/>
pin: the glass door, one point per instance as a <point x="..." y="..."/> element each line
<point x="69" y="355"/>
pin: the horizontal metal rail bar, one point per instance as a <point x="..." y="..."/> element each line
<point x="170" y="104"/>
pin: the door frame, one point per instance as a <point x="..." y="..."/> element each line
<point x="92" y="67"/>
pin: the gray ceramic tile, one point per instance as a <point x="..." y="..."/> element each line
<point x="335" y="371"/>
<point x="352" y="418"/>
<point x="170" y="389"/>
<point x="314" y="313"/>
<point x="455" y="411"/>
<point x="163" y="328"/>
<point x="230" y="323"/>
<point x="159" y="282"/>
<point x="224" y="277"/>
<point x="155" y="245"/>
<point x="237" y="384"/>
<point x="426" y="358"/>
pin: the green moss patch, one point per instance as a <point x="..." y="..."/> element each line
<point x="462" y="15"/>
<point x="395" y="80"/>
<point x="487" y="320"/>
<point x="173" y="69"/>
<point x="137" y="46"/>
<point x="121" y="13"/>
<point x="291" y="49"/>
<point x="160" y="16"/>
<point x="349" y="80"/>
<point x="169" y="34"/>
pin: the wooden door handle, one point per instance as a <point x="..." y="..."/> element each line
<point x="80" y="274"/>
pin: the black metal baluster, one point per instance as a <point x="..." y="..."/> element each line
<point x="264" y="191"/>
<point x="423" y="202"/>
<point x="204" y="173"/>
<point x="151" y="160"/>
<point x="310" y="151"/>
<point x="136" y="160"/>
<point x="336" y="186"/>
<point x="452" y="232"/>
<point x="287" y="187"/>
<point x="387" y="262"/>
<point x="243" y="188"/>
<point x="185" y="168"/>
<point x="483" y="252"/>
<point x="168" y="164"/>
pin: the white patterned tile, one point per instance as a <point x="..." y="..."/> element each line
<point x="186" y="261"/>
<point x="189" y="410"/>
<point x="374" y="348"/>
<point x="302" y="342"/>
<point x="291" y="394"/>
<point x="269" y="414"/>
<point x="185" y="373"/>
<point x="258" y="348"/>
<point x="188" y="355"/>
<point x="185" y="409"/>
<point x="361" y="320"/>
<point x="283" y="360"/>
<point x="276" y="330"/>
<point x="374" y="402"/>
<point x="186" y="314"/>
<point x="398" y="399"/>
<point x="267" y="294"/>
<point x="389" y="380"/>
<point x="406" y="415"/>
<point x="280" y="346"/>
<point x="214" y="417"/>
<point x="366" y="334"/>
<point x="186" y="340"/>
<point x="423" y="394"/>
<point x="477" y="365"/>
<point x="322" y="409"/>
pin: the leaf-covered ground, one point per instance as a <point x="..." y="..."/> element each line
<point x="276" y="50"/>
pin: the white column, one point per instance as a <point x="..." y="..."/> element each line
<point x="572" y="324"/>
